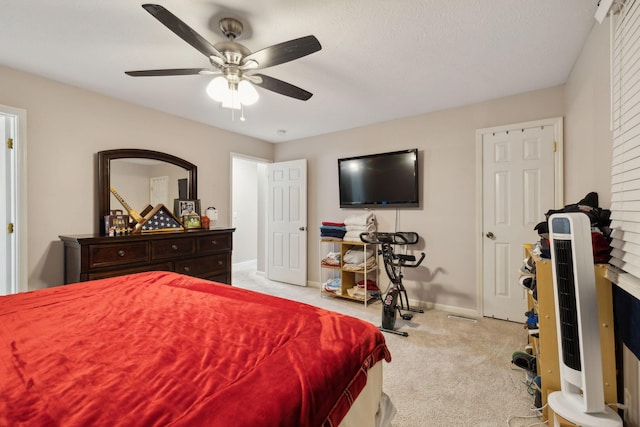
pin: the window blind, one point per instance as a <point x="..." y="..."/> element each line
<point x="625" y="171"/>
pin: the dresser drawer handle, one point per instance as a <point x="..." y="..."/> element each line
<point x="187" y="269"/>
<point x="220" y="263"/>
<point x="214" y="242"/>
<point x="174" y="247"/>
<point x="121" y="253"/>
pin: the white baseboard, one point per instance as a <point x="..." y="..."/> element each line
<point x="314" y="284"/>
<point x="465" y="312"/>
<point x="242" y="264"/>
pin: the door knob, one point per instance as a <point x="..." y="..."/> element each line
<point x="301" y="228"/>
<point x="490" y="235"/>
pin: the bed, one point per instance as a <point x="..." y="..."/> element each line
<point x="159" y="348"/>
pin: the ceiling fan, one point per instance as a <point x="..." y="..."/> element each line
<point x="232" y="60"/>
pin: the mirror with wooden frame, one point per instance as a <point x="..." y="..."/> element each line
<point x="142" y="178"/>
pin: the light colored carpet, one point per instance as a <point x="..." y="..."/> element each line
<point x="448" y="372"/>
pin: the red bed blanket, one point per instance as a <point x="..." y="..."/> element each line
<point x="159" y="348"/>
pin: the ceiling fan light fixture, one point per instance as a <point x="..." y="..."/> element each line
<point x="232" y="95"/>
<point x="218" y="89"/>
<point x="234" y="89"/>
<point x="247" y="94"/>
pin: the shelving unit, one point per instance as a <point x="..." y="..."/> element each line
<point x="348" y="278"/>
<point x="546" y="346"/>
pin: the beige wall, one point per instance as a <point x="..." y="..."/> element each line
<point x="446" y="140"/>
<point x="446" y="219"/>
<point x="67" y="126"/>
<point x="588" y="150"/>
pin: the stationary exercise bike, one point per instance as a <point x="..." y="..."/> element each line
<point x="393" y="264"/>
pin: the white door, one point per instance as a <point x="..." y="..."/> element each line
<point x="159" y="191"/>
<point x="8" y="210"/>
<point x="518" y="175"/>
<point x="287" y="222"/>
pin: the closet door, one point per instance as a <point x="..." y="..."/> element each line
<point x="287" y="222"/>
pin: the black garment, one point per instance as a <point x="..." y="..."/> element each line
<point x="599" y="218"/>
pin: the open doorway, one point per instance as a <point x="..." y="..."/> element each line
<point x="248" y="212"/>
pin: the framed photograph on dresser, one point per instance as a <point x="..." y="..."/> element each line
<point x="183" y="207"/>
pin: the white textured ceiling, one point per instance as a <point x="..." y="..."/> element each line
<point x="380" y="59"/>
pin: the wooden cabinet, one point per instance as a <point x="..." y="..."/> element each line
<point x="346" y="276"/>
<point x="199" y="253"/>
<point x="547" y="345"/>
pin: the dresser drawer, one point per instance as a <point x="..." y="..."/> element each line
<point x="204" y="265"/>
<point x="224" y="278"/>
<point x="199" y="253"/>
<point x="172" y="248"/>
<point x="165" y="266"/>
<point x="106" y="255"/>
<point x="214" y="243"/>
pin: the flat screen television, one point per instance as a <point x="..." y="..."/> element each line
<point x="384" y="180"/>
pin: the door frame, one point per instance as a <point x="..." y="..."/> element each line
<point x="19" y="179"/>
<point x="262" y="232"/>
<point x="558" y="179"/>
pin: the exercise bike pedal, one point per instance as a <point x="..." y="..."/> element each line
<point x="406" y="316"/>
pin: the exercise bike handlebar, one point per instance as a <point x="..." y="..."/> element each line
<point x="417" y="263"/>
<point x="397" y="238"/>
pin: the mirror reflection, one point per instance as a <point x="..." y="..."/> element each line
<point x="144" y="182"/>
<point x="142" y="178"/>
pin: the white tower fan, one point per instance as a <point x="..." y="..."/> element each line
<point x="581" y="399"/>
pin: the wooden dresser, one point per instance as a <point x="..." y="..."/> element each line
<point x="199" y="253"/>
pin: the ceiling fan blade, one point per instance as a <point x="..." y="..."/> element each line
<point x="171" y="72"/>
<point x="182" y="30"/>
<point x="284" y="52"/>
<point x="283" y="88"/>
